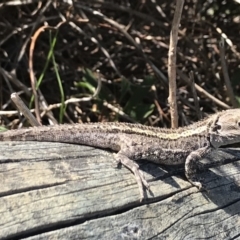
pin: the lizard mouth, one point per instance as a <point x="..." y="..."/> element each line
<point x="232" y="145"/>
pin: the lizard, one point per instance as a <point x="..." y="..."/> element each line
<point x="131" y="142"/>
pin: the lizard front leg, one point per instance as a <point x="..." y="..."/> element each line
<point x="130" y="164"/>
<point x="193" y="164"/>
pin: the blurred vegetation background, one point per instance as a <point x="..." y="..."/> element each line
<point x="127" y="41"/>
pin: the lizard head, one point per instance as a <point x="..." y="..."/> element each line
<point x="225" y="128"/>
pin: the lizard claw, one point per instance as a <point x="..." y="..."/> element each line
<point x="197" y="184"/>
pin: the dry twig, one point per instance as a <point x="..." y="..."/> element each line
<point x="195" y="97"/>
<point x="226" y="76"/>
<point x="24" y="110"/>
<point x="172" y="99"/>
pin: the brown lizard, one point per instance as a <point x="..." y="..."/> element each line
<point x="186" y="145"/>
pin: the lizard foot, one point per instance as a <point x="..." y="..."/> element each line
<point x="197" y="184"/>
<point x="130" y="164"/>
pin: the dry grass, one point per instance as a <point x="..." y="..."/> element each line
<point x="128" y="42"/>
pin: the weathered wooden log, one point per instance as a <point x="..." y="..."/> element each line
<point x="67" y="191"/>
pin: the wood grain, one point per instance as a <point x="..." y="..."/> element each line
<point x="67" y="191"/>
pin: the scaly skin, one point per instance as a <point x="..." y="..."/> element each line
<point x="186" y="145"/>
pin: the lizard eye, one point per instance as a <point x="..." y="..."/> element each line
<point x="218" y="127"/>
<point x="238" y="124"/>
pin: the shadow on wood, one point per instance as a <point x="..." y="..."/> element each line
<point x="66" y="191"/>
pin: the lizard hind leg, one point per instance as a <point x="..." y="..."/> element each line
<point x="133" y="166"/>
